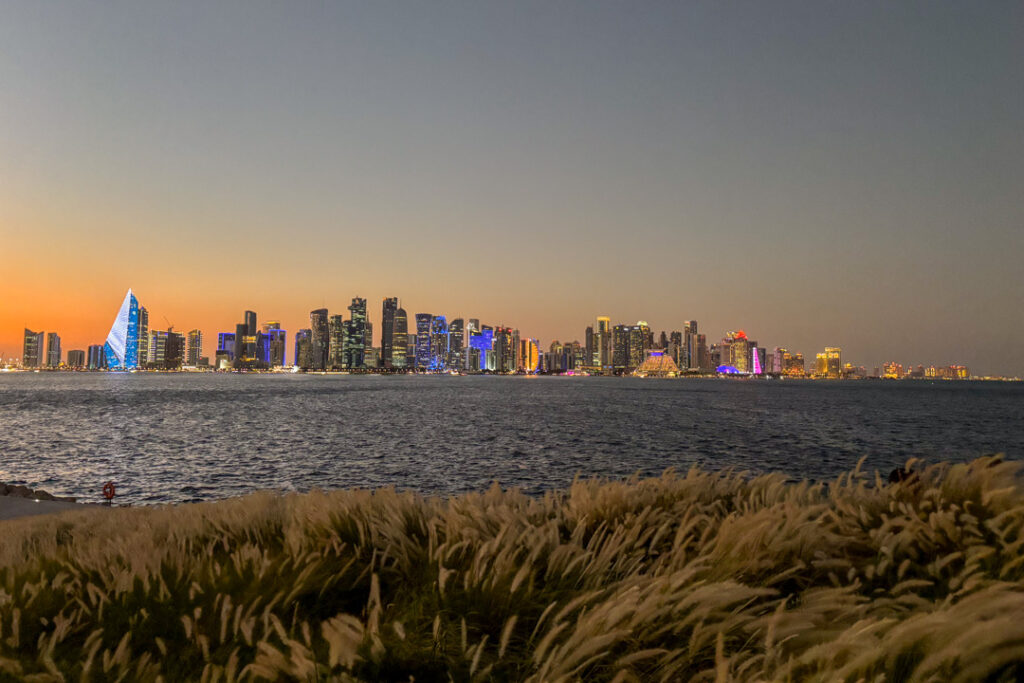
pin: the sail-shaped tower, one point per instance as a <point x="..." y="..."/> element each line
<point x="122" y="347"/>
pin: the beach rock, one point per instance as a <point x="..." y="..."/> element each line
<point x="19" y="491"/>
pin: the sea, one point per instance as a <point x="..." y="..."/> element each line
<point x="167" y="438"/>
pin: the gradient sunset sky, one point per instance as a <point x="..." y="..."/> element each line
<point x="817" y="173"/>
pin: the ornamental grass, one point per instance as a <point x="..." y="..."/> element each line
<point x="705" y="576"/>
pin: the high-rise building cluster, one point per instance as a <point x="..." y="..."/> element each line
<point x="429" y="342"/>
<point x="130" y="345"/>
<point x="893" y="370"/>
<point x="633" y="349"/>
<point x="248" y="347"/>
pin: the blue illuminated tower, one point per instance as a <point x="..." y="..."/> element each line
<point x="423" y="321"/>
<point x="122" y="347"/>
<point x="438" y="343"/>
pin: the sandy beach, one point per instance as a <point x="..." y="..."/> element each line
<point x="13" y="508"/>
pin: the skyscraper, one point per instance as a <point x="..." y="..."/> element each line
<point x="278" y="344"/>
<point x="690" y="353"/>
<point x="604" y="343"/>
<point x="590" y="343"/>
<point x="504" y="350"/>
<point x="620" y="347"/>
<point x="143" y="337"/>
<point x="410" y="351"/>
<point x="225" y="344"/>
<point x="480" y="354"/>
<point x="829" y="364"/>
<point x="304" y="349"/>
<point x="399" y="339"/>
<point x="32" y="349"/>
<point x="579" y="354"/>
<point x="247" y="342"/>
<point x="238" y="353"/>
<point x="514" y="366"/>
<point x="97" y="359"/>
<point x="793" y="364"/>
<point x="675" y="349"/>
<point x="166" y="349"/>
<point x="174" y="351"/>
<point x="438" y="343"/>
<point x="157" y="348"/>
<point x="736" y="351"/>
<point x="703" y="356"/>
<point x="387" y="331"/>
<point x="640" y="341"/>
<point x="275" y="340"/>
<point x="76" y="358"/>
<point x="53" y="354"/>
<point x="336" y="350"/>
<point x="250" y="323"/>
<point x="355" y="334"/>
<point x="423" y="321"/>
<point x="195" y="348"/>
<point x="758" y="359"/>
<point x="835" y="361"/>
<point x="648" y="336"/>
<point x="122" y="346"/>
<point x="456" y="343"/>
<point x="554" y="359"/>
<point x="893" y="370"/>
<point x="529" y="355"/>
<point x="371" y="355"/>
<point x="319" y="341"/>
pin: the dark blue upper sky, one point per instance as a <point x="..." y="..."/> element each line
<point x="816" y="173"/>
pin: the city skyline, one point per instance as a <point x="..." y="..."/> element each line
<point x="81" y="337"/>
<point x="334" y="343"/>
<point x="822" y="174"/>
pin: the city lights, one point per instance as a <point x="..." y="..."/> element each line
<point x="334" y="343"/>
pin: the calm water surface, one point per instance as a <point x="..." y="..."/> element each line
<point x="184" y="437"/>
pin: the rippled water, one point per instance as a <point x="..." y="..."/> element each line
<point x="194" y="437"/>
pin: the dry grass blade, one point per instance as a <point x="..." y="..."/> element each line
<point x="701" y="576"/>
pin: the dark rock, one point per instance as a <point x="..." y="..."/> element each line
<point x="17" y="491"/>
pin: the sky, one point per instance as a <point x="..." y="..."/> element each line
<point x="817" y="174"/>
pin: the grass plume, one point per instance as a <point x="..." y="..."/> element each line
<point x="696" y="576"/>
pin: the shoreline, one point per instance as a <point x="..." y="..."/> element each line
<point x="19" y="508"/>
<point x="18" y="501"/>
